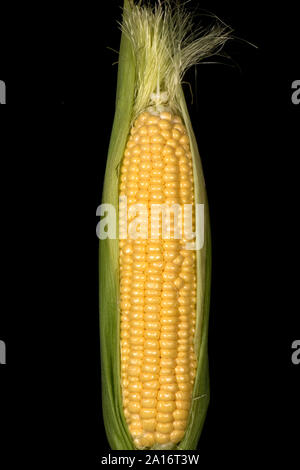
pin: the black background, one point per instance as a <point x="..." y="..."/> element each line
<point x="52" y="171"/>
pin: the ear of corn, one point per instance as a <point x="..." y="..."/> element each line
<point x="139" y="411"/>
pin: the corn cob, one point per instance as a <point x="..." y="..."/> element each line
<point x="158" y="287"/>
<point x="154" y="290"/>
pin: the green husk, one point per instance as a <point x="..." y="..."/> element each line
<point x="201" y="392"/>
<point x="131" y="100"/>
<point x="114" y="420"/>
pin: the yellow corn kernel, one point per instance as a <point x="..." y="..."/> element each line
<point x="176" y="436"/>
<point x="149" y="424"/>
<point x="165" y="428"/>
<point x="147" y="440"/>
<point x="147" y="413"/>
<point x="162" y="438"/>
<point x="180" y="425"/>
